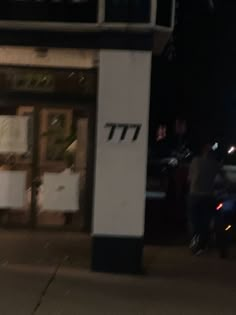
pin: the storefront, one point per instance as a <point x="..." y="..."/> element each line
<point x="51" y="103"/>
<point x="73" y="125"/>
<point x="74" y="111"/>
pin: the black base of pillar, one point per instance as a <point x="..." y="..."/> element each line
<point x="117" y="255"/>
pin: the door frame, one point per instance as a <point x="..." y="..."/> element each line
<point x="89" y="109"/>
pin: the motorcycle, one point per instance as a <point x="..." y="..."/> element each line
<point x="224" y="222"/>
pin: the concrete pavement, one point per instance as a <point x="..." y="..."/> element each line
<point x="48" y="274"/>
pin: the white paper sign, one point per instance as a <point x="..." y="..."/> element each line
<point x="13" y="134"/>
<point x="60" y="192"/>
<point x="12" y="189"/>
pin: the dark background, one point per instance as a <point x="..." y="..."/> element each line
<point x="199" y="82"/>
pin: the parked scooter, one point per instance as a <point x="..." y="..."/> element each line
<point x="224" y="222"/>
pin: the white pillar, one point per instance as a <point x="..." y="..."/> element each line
<point x="121" y="159"/>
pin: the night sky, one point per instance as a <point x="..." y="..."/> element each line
<point x="200" y="83"/>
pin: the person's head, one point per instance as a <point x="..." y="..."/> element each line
<point x="205" y="142"/>
<point x="206" y="149"/>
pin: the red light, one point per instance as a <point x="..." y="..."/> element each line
<point x="220" y="206"/>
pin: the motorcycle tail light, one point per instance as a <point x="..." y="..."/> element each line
<point x="219" y="207"/>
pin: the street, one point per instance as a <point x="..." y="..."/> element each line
<point x="48" y="274"/>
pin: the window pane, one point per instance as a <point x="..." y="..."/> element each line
<point x="164" y="12"/>
<point x="133" y="11"/>
<point x="49" y="10"/>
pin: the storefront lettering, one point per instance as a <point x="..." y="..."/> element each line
<point x="33" y="82"/>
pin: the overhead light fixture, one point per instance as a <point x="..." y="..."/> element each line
<point x="228" y="227"/>
<point x="215" y="146"/>
<point x="231" y="150"/>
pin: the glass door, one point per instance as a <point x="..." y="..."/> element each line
<point x="45" y="166"/>
<point x="62" y="166"/>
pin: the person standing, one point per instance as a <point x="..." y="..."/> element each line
<point x="202" y="175"/>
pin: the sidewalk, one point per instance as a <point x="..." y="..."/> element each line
<point x="48" y="274"/>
